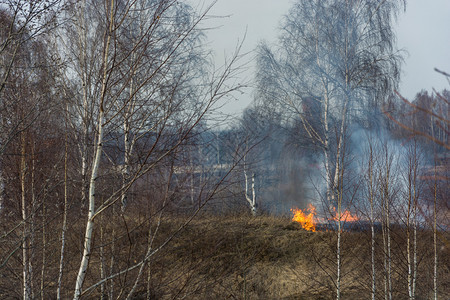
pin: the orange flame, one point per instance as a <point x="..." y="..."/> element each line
<point x="307" y="221"/>
<point x="346" y="216"/>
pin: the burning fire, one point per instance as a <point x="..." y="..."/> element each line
<point x="308" y="219"/>
<point x="346" y="216"/>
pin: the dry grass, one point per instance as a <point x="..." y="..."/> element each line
<point x="273" y="258"/>
<point x="239" y="257"/>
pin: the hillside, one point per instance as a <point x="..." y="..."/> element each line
<point x="273" y="258"/>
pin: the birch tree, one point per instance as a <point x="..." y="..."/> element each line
<point x="141" y="86"/>
<point x="388" y="192"/>
<point x="412" y="195"/>
<point x="22" y="24"/>
<point x="174" y="81"/>
<point x="80" y="63"/>
<point x="337" y="54"/>
<point x="249" y="143"/>
<point x="370" y="178"/>
<point x="25" y="101"/>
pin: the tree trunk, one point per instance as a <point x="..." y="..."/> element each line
<point x="408" y="231"/>
<point x="90" y="222"/>
<point x="435" y="277"/>
<point x="127" y="149"/>
<point x="85" y="108"/>
<point x="44" y="247"/>
<point x="95" y="164"/>
<point x="112" y="261"/>
<point x="64" y="224"/>
<point x="326" y="147"/>
<point x="32" y="238"/>
<point x="372" y="251"/>
<point x="102" y="260"/>
<point x="387" y="228"/>
<point x="338" y="254"/>
<point x="389" y="260"/>
<point x="414" y="279"/>
<point x="251" y="200"/>
<point x="412" y="220"/>
<point x="372" y="227"/>
<point x="2" y="188"/>
<point x="191" y="167"/>
<point x="340" y="195"/>
<point x="25" y="233"/>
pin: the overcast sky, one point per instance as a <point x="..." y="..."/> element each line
<point x="423" y="30"/>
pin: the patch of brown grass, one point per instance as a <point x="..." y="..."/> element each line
<point x="236" y="257"/>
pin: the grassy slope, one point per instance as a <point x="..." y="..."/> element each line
<point x="233" y="257"/>
<point x="272" y="258"/>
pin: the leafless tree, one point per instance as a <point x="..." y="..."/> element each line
<point x="335" y="58"/>
<point x="412" y="196"/>
<point x="142" y="89"/>
<point x="371" y="180"/>
<point x="22" y="25"/>
<point x="25" y="93"/>
<point x="430" y="120"/>
<point x="437" y="113"/>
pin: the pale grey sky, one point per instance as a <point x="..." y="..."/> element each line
<point x="423" y="30"/>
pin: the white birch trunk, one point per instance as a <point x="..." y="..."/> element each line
<point x="372" y="227"/>
<point x="326" y="146"/>
<point x="435" y="277"/>
<point x="435" y="293"/>
<point x="326" y="107"/>
<point x="408" y="257"/>
<point x="338" y="182"/>
<point x="84" y="179"/>
<point x="387" y="228"/>
<point x="102" y="260"/>
<point x="85" y="117"/>
<point x="372" y="230"/>
<point x="112" y="261"/>
<point x="64" y="225"/>
<point x="90" y="222"/>
<point x="389" y="268"/>
<point x="253" y="205"/>
<point x="408" y="232"/>
<point x="127" y="147"/>
<point x="251" y="200"/>
<point x="26" y="287"/>
<point x="126" y="166"/>
<point x="192" y="177"/>
<point x="414" y="279"/>
<point x="44" y="247"/>
<point x="412" y="214"/>
<point x="31" y="220"/>
<point x="338" y="253"/>
<point x="383" y="224"/>
<point x="95" y="166"/>
<point x="340" y="145"/>
<point x="2" y="188"/>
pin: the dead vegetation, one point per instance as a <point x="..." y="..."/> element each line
<point x="241" y="257"/>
